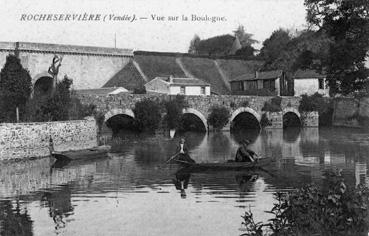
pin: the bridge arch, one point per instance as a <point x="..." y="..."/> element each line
<point x="43" y="83"/>
<point x="245" y="109"/>
<point x="248" y="110"/>
<point x="291" y="117"/>
<point x="198" y="114"/>
<point x="118" y="111"/>
<point x="293" y="110"/>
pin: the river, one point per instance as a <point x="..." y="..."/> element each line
<point x="132" y="192"/>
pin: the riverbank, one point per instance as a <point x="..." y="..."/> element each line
<point x="31" y="140"/>
<point x="351" y="112"/>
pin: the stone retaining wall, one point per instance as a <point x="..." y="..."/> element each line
<point x="26" y="140"/>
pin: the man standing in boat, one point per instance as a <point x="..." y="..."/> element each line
<point x="244" y="154"/>
<point x="182" y="152"/>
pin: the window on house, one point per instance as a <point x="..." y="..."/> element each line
<point x="321" y="83"/>
<point x="182" y="90"/>
<point x="203" y="90"/>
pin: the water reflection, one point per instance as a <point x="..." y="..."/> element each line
<point x="14" y="220"/>
<point x="134" y="185"/>
<point x="59" y="204"/>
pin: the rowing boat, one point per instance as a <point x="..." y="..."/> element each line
<point x="235" y="166"/>
<point x="90" y="153"/>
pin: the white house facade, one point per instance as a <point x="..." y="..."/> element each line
<point x="174" y="86"/>
<point x="309" y="82"/>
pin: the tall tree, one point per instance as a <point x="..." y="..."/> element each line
<point x="246" y="39"/>
<point x="15" y="88"/>
<point x="194" y="44"/>
<point x="347" y="23"/>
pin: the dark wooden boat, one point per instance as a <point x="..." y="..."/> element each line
<point x="90" y="153"/>
<point x="231" y="165"/>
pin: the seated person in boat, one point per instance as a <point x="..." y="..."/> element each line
<point x="244" y="154"/>
<point x="182" y="152"/>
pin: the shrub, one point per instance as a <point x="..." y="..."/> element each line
<point x="316" y="102"/>
<point x="264" y="121"/>
<point x="174" y="109"/>
<point x="78" y="111"/>
<point x="274" y="105"/>
<point x="55" y="108"/>
<point x="337" y="210"/>
<point x="147" y="114"/>
<point x="219" y="116"/>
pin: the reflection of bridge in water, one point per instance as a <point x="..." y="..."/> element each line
<point x="297" y="150"/>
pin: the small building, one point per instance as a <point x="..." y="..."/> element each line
<point x="309" y="82"/>
<point x="102" y="91"/>
<point x="173" y="86"/>
<point x="263" y="83"/>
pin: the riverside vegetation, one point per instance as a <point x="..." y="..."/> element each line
<point x="333" y="209"/>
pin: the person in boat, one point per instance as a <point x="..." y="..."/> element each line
<point x="244" y="154"/>
<point x="182" y="152"/>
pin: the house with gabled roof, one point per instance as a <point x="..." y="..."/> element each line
<point x="173" y="86"/>
<point x="309" y="82"/>
<point x="274" y="82"/>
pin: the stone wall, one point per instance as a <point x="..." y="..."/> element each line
<point x="26" y="140"/>
<point x="351" y="112"/>
<point x="200" y="103"/>
<point x="89" y="67"/>
<point x="310" y="119"/>
<point x="275" y="120"/>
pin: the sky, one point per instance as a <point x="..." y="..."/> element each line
<point x="19" y="21"/>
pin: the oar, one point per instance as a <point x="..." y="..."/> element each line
<point x="171" y="158"/>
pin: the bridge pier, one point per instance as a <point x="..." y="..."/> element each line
<point x="275" y="120"/>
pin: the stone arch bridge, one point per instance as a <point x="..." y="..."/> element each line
<point x="199" y="106"/>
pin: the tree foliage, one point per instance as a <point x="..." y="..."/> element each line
<point x="218" y="117"/>
<point x="346" y="22"/>
<point x="53" y="108"/>
<point x="289" y="53"/>
<point x="273" y="105"/>
<point x="239" y="44"/>
<point x="317" y="102"/>
<point x="246" y="39"/>
<point x="275" y="45"/>
<point x="147" y="114"/>
<point x="194" y="44"/>
<point x="15" y="88"/>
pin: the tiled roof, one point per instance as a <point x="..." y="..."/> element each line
<point x="244" y="77"/>
<point x="206" y="70"/>
<point x="189" y="81"/>
<point x="128" y="77"/>
<point x="184" y="81"/>
<point x="100" y="91"/>
<point x="235" y="68"/>
<point x="272" y="74"/>
<point x="306" y="74"/>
